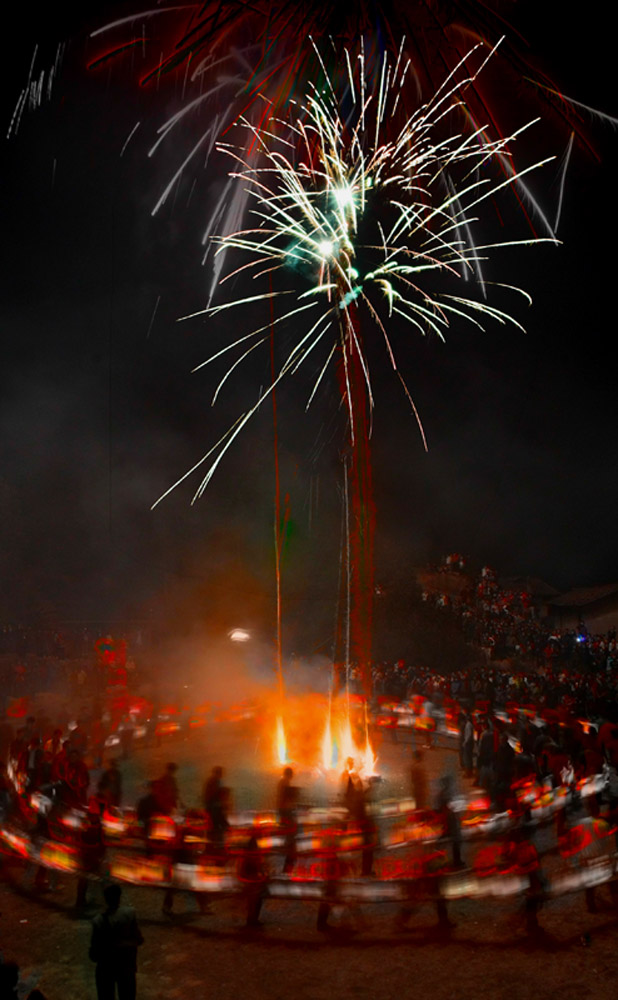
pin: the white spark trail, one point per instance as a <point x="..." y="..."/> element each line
<point x="371" y="210"/>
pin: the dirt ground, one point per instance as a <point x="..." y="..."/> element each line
<point x="486" y="954"/>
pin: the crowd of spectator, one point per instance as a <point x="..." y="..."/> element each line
<point x="550" y="687"/>
<point x="505" y="623"/>
<point x="66" y="641"/>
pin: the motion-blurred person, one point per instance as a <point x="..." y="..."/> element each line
<point x="449" y="817"/>
<point x="53" y="745"/>
<point x="429" y="865"/>
<point x="97" y="739"/>
<point x="31" y="764"/>
<point x="253" y="874"/>
<point x="166" y="790"/>
<point x="504" y="766"/>
<point x="79" y="738"/>
<point x="418" y="781"/>
<point x="430" y="723"/>
<point x="287" y="799"/>
<point x="45" y="879"/>
<point x="113" y="946"/>
<point x="60" y="762"/>
<point x="521" y="854"/>
<point x="109" y="789"/>
<point x="216" y="801"/>
<point x="6" y="737"/>
<point x="331" y="873"/>
<point x="355" y="794"/>
<point x="171" y="848"/>
<point x="30" y="729"/>
<point x="5" y="792"/>
<point x="467" y="747"/>
<point x="352" y="791"/>
<point x="588" y="847"/>
<point x="76" y="780"/>
<point x="147" y="807"/>
<point x="126" y="733"/>
<point x="91" y="852"/>
<point x="178" y="850"/>
<point x="461" y="729"/>
<point x="486" y="758"/>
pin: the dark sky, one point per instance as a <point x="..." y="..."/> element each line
<point x="99" y="411"/>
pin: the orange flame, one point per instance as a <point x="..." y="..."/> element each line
<point x="322" y="734"/>
<point x="281" y="745"/>
<point x="338" y="743"/>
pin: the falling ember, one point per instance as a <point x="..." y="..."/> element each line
<point x="281" y="745"/>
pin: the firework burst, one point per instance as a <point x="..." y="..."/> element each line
<point x="358" y="218"/>
<point x="228" y="53"/>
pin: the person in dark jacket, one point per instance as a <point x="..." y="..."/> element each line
<point x="113" y="946"/>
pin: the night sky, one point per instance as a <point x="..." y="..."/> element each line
<point x="99" y="411"/>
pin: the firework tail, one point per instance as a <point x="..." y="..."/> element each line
<point x="361" y="510"/>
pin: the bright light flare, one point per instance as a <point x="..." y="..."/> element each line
<point x="281" y="749"/>
<point x="239" y="635"/>
<point x="330" y="753"/>
<point x="344" y="197"/>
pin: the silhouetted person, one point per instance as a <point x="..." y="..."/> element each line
<point x="113" y="946"/>
<point x="354" y="794"/>
<point x="216" y="798"/>
<point x="76" y="780"/>
<point x="331" y="872"/>
<point x="31" y="764"/>
<point x="126" y="737"/>
<point x="91" y="851"/>
<point x="166" y="790"/>
<point x="467" y="749"/>
<point x="287" y="797"/>
<point x="5" y="792"/>
<point x="352" y="791"/>
<point x="485" y="759"/>
<point x="522" y="854"/>
<point x="109" y="789"/>
<point x="449" y="817"/>
<point x="252" y="873"/>
<point x="504" y="771"/>
<point x="147" y="806"/>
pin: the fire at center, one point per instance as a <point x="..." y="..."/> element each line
<point x="311" y="735"/>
